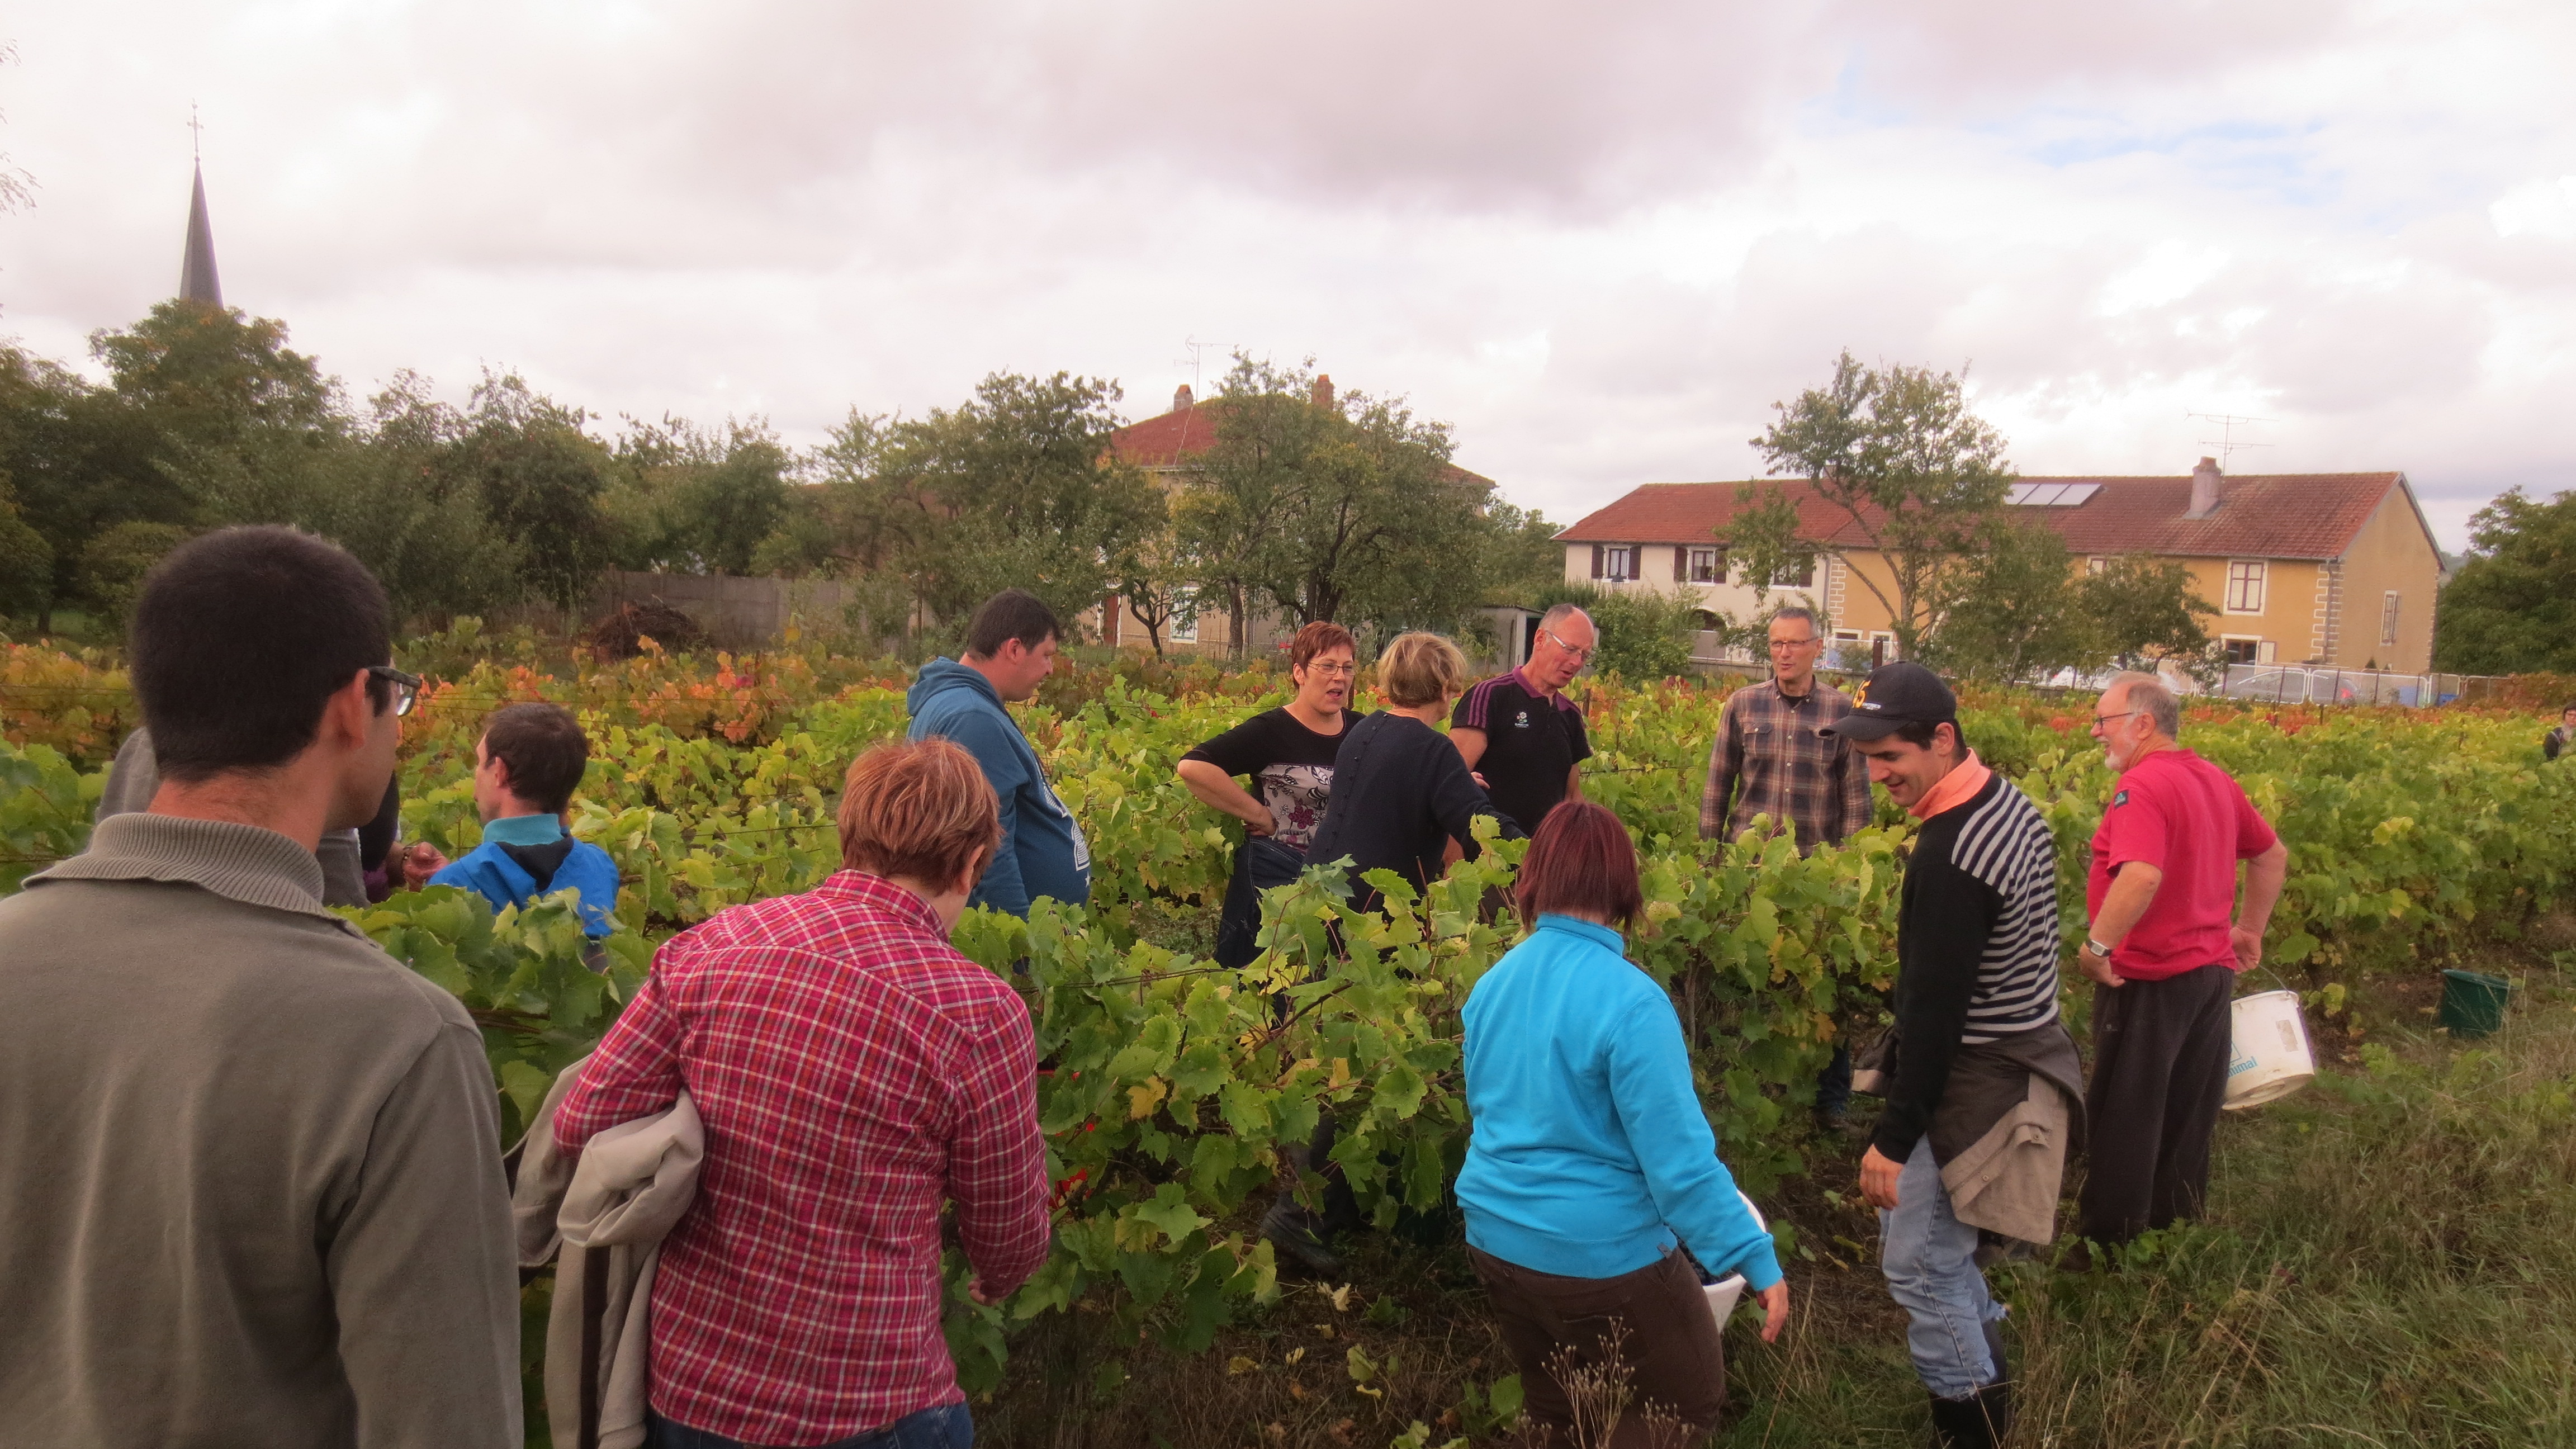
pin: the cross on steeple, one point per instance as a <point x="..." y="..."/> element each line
<point x="197" y="138"/>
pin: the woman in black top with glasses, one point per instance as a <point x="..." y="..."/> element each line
<point x="1288" y="754"/>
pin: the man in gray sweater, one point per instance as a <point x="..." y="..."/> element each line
<point x="253" y="1191"/>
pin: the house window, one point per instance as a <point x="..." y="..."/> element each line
<point x="1796" y="574"/>
<point x="2097" y="565"/>
<point x="2245" y="586"/>
<point x="2244" y="651"/>
<point x="1184" y="604"/>
<point x="2388" y="618"/>
<point x="1619" y="563"/>
<point x="1704" y="567"/>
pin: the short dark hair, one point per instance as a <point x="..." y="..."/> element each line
<point x="1581" y="862"/>
<point x="238" y="639"/>
<point x="1008" y="615"/>
<point x="1919" y="733"/>
<point x="545" y="749"/>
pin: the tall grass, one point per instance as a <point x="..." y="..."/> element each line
<point x="2389" y="1259"/>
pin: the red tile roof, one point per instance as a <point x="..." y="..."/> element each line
<point x="1166" y="441"/>
<point x="2260" y="515"/>
<point x="1694" y="512"/>
<point x="1177" y="436"/>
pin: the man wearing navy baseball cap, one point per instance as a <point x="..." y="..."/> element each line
<point x="1971" y="1137"/>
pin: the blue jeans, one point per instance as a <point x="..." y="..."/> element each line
<point x="948" y="1426"/>
<point x="1930" y="1259"/>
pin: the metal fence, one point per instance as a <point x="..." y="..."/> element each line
<point x="2321" y="684"/>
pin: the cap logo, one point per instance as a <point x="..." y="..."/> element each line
<point x="1860" y="696"/>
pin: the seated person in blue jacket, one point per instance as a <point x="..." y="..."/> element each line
<point x="525" y="767"/>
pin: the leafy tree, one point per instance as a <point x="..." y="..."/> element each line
<point x="211" y="376"/>
<point x="2143" y="610"/>
<point x="2010" y="611"/>
<point x="1233" y="515"/>
<point x="1352" y="513"/>
<point x="48" y="443"/>
<point x="1016" y="487"/>
<point x="1154" y="583"/>
<point x="690" y="499"/>
<point x="539" y="476"/>
<point x="26" y="564"/>
<point x="1526" y="559"/>
<point x="113" y="566"/>
<point x="2511" y="609"/>
<point x="1919" y="479"/>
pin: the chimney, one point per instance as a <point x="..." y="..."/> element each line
<point x="1322" y="396"/>
<point x="2204" y="489"/>
<point x="1181" y="398"/>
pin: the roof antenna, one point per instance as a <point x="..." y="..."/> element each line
<point x="1196" y="349"/>
<point x="2226" y="442"/>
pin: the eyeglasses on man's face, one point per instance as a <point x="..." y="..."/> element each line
<point x="2103" y="721"/>
<point x="1584" y="653"/>
<point x="1793" y="645"/>
<point x="406" y="687"/>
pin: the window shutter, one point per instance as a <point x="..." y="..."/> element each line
<point x="1596" y="560"/>
<point x="1681" y="563"/>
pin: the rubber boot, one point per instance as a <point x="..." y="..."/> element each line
<point x="1978" y="1421"/>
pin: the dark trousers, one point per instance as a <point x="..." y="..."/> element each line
<point x="948" y="1426"/>
<point x="1260" y="863"/>
<point x="1833" y="1084"/>
<point x="1676" y="1365"/>
<point x="2159" y="1076"/>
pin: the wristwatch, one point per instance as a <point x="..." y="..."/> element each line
<point x="2097" y="948"/>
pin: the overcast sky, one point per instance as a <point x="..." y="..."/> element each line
<point x="1600" y="239"/>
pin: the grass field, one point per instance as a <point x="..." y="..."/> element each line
<point x="2389" y="1259"/>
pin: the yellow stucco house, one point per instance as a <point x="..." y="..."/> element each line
<point x="2305" y="568"/>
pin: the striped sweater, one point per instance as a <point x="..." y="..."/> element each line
<point x="1976" y="947"/>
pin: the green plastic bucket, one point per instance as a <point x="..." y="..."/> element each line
<point x="2473" y="1002"/>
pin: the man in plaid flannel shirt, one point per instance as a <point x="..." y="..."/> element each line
<point x="1767" y="742"/>
<point x="1810" y="783"/>
<point x="853" y="1070"/>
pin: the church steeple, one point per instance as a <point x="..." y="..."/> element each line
<point x="197" y="280"/>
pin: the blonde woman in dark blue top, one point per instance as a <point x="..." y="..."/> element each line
<point x="1592" y="1167"/>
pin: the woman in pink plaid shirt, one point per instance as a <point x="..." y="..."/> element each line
<point x="853" y="1071"/>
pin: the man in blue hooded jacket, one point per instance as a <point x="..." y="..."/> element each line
<point x="525" y="767"/>
<point x="1010" y="649"/>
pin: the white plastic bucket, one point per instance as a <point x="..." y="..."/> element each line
<point x="2267" y="1056"/>
<point x="1723" y="1294"/>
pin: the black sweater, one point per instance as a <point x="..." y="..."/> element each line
<point x="1976" y="948"/>
<point x="1400" y="794"/>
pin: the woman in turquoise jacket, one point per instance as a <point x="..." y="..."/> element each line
<point x="1592" y="1180"/>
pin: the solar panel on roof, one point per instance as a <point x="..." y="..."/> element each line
<point x="2020" y="494"/>
<point x="2076" y="493"/>
<point x="2047" y="494"/>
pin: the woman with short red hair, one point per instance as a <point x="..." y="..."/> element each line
<point x="853" y="1071"/>
<point x="1287" y="753"/>
<point x="1592" y="1179"/>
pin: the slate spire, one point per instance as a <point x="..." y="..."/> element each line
<point x="197" y="280"/>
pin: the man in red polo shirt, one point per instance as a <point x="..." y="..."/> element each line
<point x="2166" y="953"/>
